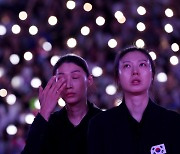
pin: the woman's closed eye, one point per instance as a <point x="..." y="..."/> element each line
<point x="126" y="65"/>
<point x="142" y="64"/>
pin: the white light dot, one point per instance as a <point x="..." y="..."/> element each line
<point x="141" y="26"/>
<point x="16" y="29"/>
<point x="118" y="14"/>
<point x="17" y="81"/>
<point x="11" y="99"/>
<point x="2" y="30"/>
<point x="70" y="4"/>
<point x="47" y="46"/>
<point x="52" y="20"/>
<point x="3" y="92"/>
<point x="23" y="15"/>
<point x="87" y="7"/>
<point x="162" y="77"/>
<point x="54" y="60"/>
<point x="28" y="56"/>
<point x="111" y="89"/>
<point x="85" y="30"/>
<point x="97" y="71"/>
<point x="14" y="59"/>
<point x="122" y="20"/>
<point x="29" y="118"/>
<point x="112" y="43"/>
<point x="100" y="20"/>
<point x="33" y="30"/>
<point x="140" y="43"/>
<point x="35" y="82"/>
<point x="141" y="10"/>
<point x="71" y="42"/>
<point x="153" y="55"/>
<point x="11" y="129"/>
<point x="37" y="104"/>
<point x="168" y="28"/>
<point x="61" y="102"/>
<point x="175" y="47"/>
<point x="169" y="13"/>
<point x="174" y="60"/>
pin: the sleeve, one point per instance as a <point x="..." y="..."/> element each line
<point x="95" y="138"/>
<point x="36" y="139"/>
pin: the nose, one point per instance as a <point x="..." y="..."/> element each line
<point x="135" y="71"/>
<point x="68" y="83"/>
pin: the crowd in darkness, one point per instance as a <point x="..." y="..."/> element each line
<point x="93" y="47"/>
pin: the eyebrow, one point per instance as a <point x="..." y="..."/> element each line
<point x="75" y="71"/>
<point x="138" y="61"/>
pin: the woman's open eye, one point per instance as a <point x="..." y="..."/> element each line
<point x="126" y="66"/>
<point x="143" y="64"/>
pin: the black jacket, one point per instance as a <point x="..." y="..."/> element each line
<point x="58" y="135"/>
<point x="117" y="132"/>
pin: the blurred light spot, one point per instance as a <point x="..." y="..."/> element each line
<point x="1" y="71"/>
<point x="16" y="29"/>
<point x="17" y="81"/>
<point x="85" y="30"/>
<point x="97" y="71"/>
<point x="23" y="15"/>
<point x="100" y="21"/>
<point x="37" y="104"/>
<point x="140" y="43"/>
<point x="71" y="42"/>
<point x="36" y="82"/>
<point x="153" y="55"/>
<point x="47" y="46"/>
<point x="117" y="102"/>
<point x="87" y="7"/>
<point x="2" y="30"/>
<point x="54" y="60"/>
<point x="52" y="20"/>
<point x="111" y="90"/>
<point x="29" y="118"/>
<point x="118" y="14"/>
<point x="174" y="60"/>
<point x="70" y="4"/>
<point x="112" y="43"/>
<point x="14" y="59"/>
<point x="33" y="30"/>
<point x="141" y="26"/>
<point x="11" y="99"/>
<point x="168" y="28"/>
<point x="175" y="47"/>
<point x="141" y="10"/>
<point x="162" y="77"/>
<point x="11" y="129"/>
<point x="61" y="102"/>
<point x="122" y="20"/>
<point x="28" y="56"/>
<point x="169" y="13"/>
<point x="3" y="92"/>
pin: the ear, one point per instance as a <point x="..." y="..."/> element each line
<point x="90" y="80"/>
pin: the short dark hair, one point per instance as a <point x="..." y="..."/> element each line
<point x="72" y="58"/>
<point x="122" y="53"/>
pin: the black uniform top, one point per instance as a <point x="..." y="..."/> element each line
<point x="59" y="135"/>
<point x="117" y="132"/>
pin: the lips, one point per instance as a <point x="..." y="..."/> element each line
<point x="136" y="81"/>
<point x="70" y="94"/>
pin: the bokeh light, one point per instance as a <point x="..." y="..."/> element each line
<point x="70" y="4"/>
<point x="33" y="30"/>
<point x="87" y="7"/>
<point x="161" y="77"/>
<point x="112" y="43"/>
<point x="97" y="71"/>
<point x="141" y="10"/>
<point x="100" y="21"/>
<point x="168" y="12"/>
<point x="174" y="60"/>
<point x="22" y="15"/>
<point x="2" y="30"/>
<point x="11" y="99"/>
<point x="175" y="47"/>
<point x="168" y="28"/>
<point x="140" y="43"/>
<point x="71" y="42"/>
<point x="11" y="129"/>
<point x="28" y="56"/>
<point x="52" y="20"/>
<point x="85" y="30"/>
<point x="35" y="82"/>
<point x="111" y="89"/>
<point x="16" y="29"/>
<point x="14" y="59"/>
<point x="3" y="92"/>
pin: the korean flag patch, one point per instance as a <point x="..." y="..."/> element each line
<point x="158" y="149"/>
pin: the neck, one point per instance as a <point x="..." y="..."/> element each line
<point x="136" y="105"/>
<point x="76" y="112"/>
